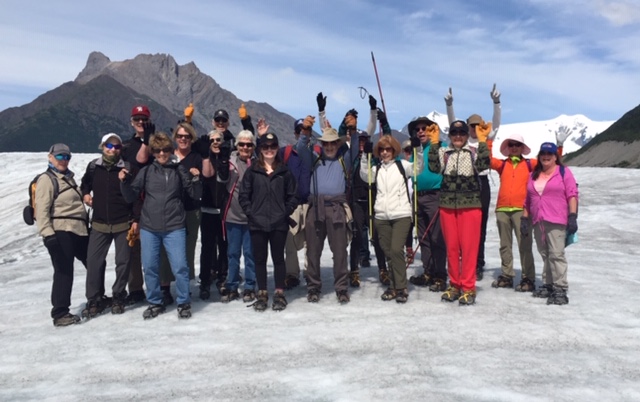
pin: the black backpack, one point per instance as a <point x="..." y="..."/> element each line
<point x="27" y="212"/>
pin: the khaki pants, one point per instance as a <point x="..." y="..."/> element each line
<point x="550" y="239"/>
<point x="392" y="235"/>
<point x="508" y="223"/>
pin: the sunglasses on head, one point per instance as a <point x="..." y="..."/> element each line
<point x="166" y="150"/>
<point x="271" y="147"/>
<point x="220" y="120"/>
<point x="140" y="118"/>
<point x="183" y="136"/>
<point x="245" y="144"/>
<point x="63" y="157"/>
<point x="109" y="145"/>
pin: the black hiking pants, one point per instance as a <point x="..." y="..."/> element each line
<point x="98" y="249"/>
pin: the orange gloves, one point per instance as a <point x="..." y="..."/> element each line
<point x="132" y="236"/>
<point x="188" y="113"/>
<point x="433" y="132"/>
<point x="482" y="131"/>
<point x="242" y="112"/>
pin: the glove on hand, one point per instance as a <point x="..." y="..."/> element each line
<point x="149" y="129"/>
<point x="242" y="112"/>
<point x="482" y="131"/>
<point x="373" y="103"/>
<point x="525" y="226"/>
<point x="350" y="121"/>
<point x="308" y="122"/>
<point x="495" y="94"/>
<point x="415" y="141"/>
<point x="433" y="133"/>
<point x="132" y="237"/>
<point x="572" y="224"/>
<point x="562" y="133"/>
<point x="448" y="98"/>
<point x="368" y="147"/>
<point x="225" y="152"/>
<point x="322" y="101"/>
<point x="188" y="113"/>
<point x="382" y="117"/>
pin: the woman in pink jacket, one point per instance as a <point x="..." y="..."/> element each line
<point x="551" y="206"/>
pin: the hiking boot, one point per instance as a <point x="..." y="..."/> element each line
<point x="291" y="281"/>
<point x="451" y="294"/>
<point x="65" y="320"/>
<point x="503" y="282"/>
<point x="468" y="298"/>
<point x="119" y="303"/>
<point x="409" y="255"/>
<point x="220" y="283"/>
<point x="261" y="302"/>
<point x="92" y="309"/>
<point x="184" y="310"/>
<point x="313" y="295"/>
<point x="153" y="311"/>
<point x="279" y="301"/>
<point x="228" y="295"/>
<point x="205" y="293"/>
<point x="389" y="294"/>
<point x="343" y="296"/>
<point x="354" y="279"/>
<point x="384" y="277"/>
<point x="248" y="295"/>
<point x="526" y="285"/>
<point x="365" y="262"/>
<point x="438" y="285"/>
<point x="402" y="295"/>
<point x="167" y="299"/>
<point x="106" y="301"/>
<point x="421" y="280"/>
<point x="135" y="297"/>
<point x="479" y="273"/>
<point x="559" y="296"/>
<point x="543" y="291"/>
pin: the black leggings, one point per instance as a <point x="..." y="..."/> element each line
<point x="259" y="241"/>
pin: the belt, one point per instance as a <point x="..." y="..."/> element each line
<point x="427" y="192"/>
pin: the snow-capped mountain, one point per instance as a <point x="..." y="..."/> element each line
<point x="580" y="130"/>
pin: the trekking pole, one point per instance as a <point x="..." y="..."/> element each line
<point x="370" y="196"/>
<point x="433" y="220"/>
<point x="415" y="190"/>
<point x="384" y="108"/>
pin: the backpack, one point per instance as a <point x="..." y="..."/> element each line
<point x="287" y="151"/>
<point x="528" y="161"/>
<point x="28" y="212"/>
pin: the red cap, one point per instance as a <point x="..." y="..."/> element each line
<point x="141" y="110"/>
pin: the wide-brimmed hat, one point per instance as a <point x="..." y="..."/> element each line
<point x="504" y="147"/>
<point x="474" y="119"/>
<point x="329" y="135"/>
<point x="420" y="119"/>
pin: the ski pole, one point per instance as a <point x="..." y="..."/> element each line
<point x="415" y="190"/>
<point x="384" y="108"/>
<point x="415" y="249"/>
<point x="370" y="195"/>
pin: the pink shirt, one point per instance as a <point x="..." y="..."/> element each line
<point x="552" y="205"/>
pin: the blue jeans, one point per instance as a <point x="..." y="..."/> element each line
<point x="174" y="243"/>
<point x="239" y="240"/>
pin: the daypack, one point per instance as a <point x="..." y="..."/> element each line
<point x="287" y="151"/>
<point x="28" y="211"/>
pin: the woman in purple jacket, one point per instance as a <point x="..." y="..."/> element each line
<point x="551" y="207"/>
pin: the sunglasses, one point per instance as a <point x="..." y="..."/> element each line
<point x="331" y="142"/>
<point x="386" y="149"/>
<point x="220" y="120"/>
<point x="421" y="128"/>
<point x="109" y="145"/>
<point x="140" y="118"/>
<point x="514" y="144"/>
<point x="458" y="133"/>
<point x="245" y="145"/>
<point x="63" y="157"/>
<point x="166" y="150"/>
<point x="216" y="140"/>
<point x="408" y="150"/>
<point x="183" y="136"/>
<point x="272" y="147"/>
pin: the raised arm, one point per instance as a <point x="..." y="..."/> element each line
<point x="448" y="100"/>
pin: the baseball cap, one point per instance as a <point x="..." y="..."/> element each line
<point x="459" y="125"/>
<point x="549" y="147"/>
<point x="141" y="110"/>
<point x="59" y="149"/>
<point x="297" y="126"/>
<point x="268" y="139"/>
<point x="221" y="113"/>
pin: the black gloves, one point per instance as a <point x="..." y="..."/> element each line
<point x="525" y="226"/>
<point x="225" y="151"/>
<point x="201" y="146"/>
<point x="322" y="101"/>
<point x="368" y="147"/>
<point x="51" y="242"/>
<point x="382" y="117"/>
<point x="572" y="224"/>
<point x="373" y="102"/>
<point x="149" y="128"/>
<point x="415" y="142"/>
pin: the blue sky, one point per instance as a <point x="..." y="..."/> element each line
<point x="547" y="57"/>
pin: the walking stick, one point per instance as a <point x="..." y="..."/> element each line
<point x="370" y="198"/>
<point x="375" y="69"/>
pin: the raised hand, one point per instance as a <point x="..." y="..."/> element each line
<point x="322" y="101"/>
<point x="242" y="112"/>
<point x="482" y="131"/>
<point x="188" y="113"/>
<point x="562" y="133"/>
<point x="149" y="128"/>
<point x="448" y="98"/>
<point x="308" y="122"/>
<point x="495" y="94"/>
<point x="433" y="133"/>
<point x="373" y="103"/>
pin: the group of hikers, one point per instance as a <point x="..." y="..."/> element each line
<point x="250" y="197"/>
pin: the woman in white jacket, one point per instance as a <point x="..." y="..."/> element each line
<point x="393" y="209"/>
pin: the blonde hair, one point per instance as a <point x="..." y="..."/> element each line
<point x="188" y="128"/>
<point x="160" y="140"/>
